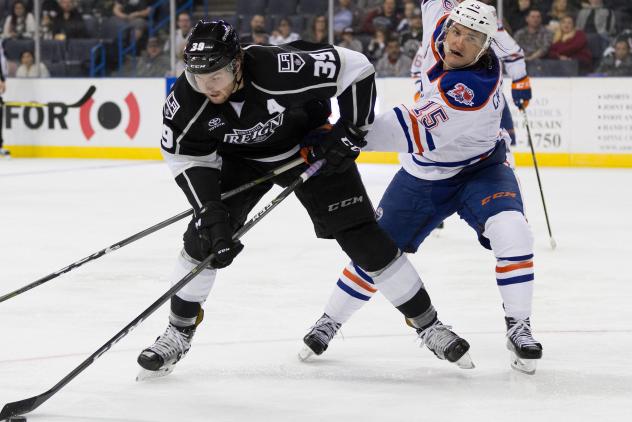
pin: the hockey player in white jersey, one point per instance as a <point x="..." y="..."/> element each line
<point x="512" y="57"/>
<point x="453" y="161"/>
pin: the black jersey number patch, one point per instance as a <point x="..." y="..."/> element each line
<point x="325" y="64"/>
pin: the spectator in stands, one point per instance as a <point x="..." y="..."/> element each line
<point x="97" y="8"/>
<point x="385" y="16"/>
<point x="348" y="41"/>
<point x="375" y="49"/>
<point x="51" y="8"/>
<point x="46" y="26"/>
<point x="561" y="8"/>
<point x="69" y="23"/>
<point x="619" y="63"/>
<point x="283" y="33"/>
<point x="133" y="12"/>
<point x="534" y="39"/>
<point x="411" y="38"/>
<point x="27" y="68"/>
<point x="404" y="23"/>
<point x="393" y="63"/>
<point x="345" y="15"/>
<point x="183" y="23"/>
<point x="318" y="31"/>
<point x="517" y="11"/>
<point x="257" y="30"/>
<point x="20" y="23"/>
<point x="153" y="62"/>
<point x="570" y="43"/>
<point x="597" y="19"/>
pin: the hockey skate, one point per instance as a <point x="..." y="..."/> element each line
<point x="525" y="350"/>
<point x="4" y="153"/>
<point x="159" y="359"/>
<point x="318" y="338"/>
<point x="446" y="345"/>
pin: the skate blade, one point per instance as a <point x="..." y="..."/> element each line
<point x="526" y="366"/>
<point x="305" y="354"/>
<point x="145" y="374"/>
<point x="465" y="362"/>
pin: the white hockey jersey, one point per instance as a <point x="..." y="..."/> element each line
<point x="457" y="121"/>
<point x="505" y="47"/>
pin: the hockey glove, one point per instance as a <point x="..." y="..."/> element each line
<point x="339" y="145"/>
<point x="521" y="92"/>
<point x="215" y="234"/>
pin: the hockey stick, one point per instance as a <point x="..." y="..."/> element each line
<point x="28" y="405"/>
<point x="537" y="173"/>
<point x="148" y="231"/>
<point x="79" y="103"/>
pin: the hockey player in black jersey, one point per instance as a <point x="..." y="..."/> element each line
<point x="239" y="111"/>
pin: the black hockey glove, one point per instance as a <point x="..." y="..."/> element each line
<point x="216" y="235"/>
<point x="339" y="145"/>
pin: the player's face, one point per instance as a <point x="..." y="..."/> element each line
<point x="462" y="45"/>
<point x="217" y="86"/>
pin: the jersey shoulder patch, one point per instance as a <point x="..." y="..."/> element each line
<point x="470" y="89"/>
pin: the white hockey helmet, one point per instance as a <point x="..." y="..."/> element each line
<point x="477" y="16"/>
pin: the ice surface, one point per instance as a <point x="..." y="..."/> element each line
<point x="243" y="364"/>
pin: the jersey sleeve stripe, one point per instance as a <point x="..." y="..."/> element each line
<point x="192" y="190"/>
<point x="429" y="140"/>
<point x="188" y="126"/>
<point x="294" y="91"/>
<point x="453" y="163"/>
<point x="402" y="122"/>
<point x="415" y="125"/>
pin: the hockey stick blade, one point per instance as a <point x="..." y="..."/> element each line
<point x="21" y="407"/>
<point x="146" y="232"/>
<point x="25" y="406"/>
<point x="91" y="90"/>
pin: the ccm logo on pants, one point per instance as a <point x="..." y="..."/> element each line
<point x="497" y="195"/>
<point x="345" y="203"/>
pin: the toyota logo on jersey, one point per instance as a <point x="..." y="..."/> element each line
<point x="259" y="133"/>
<point x="110" y="116"/>
<point x="462" y="94"/>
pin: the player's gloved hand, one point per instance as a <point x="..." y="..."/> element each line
<point x="215" y="234"/>
<point x="338" y="144"/>
<point x="521" y="92"/>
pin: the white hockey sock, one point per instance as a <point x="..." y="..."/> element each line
<point x="353" y="289"/>
<point x="198" y="289"/>
<point x="512" y="242"/>
<point x="398" y="282"/>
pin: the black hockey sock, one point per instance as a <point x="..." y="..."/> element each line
<point x="184" y="313"/>
<point x="419" y="309"/>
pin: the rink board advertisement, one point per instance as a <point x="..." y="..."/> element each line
<point x="573" y="121"/>
<point x="122" y="119"/>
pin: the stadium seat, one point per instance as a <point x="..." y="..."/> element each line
<point x="13" y="48"/>
<point x="282" y="7"/>
<point x="53" y="51"/>
<point x="313" y="7"/>
<point x="56" y="69"/>
<point x="597" y="45"/>
<point x="553" y="68"/>
<point x="78" y="50"/>
<point x="251" y="7"/>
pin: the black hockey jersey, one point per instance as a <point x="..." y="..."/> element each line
<point x="269" y="118"/>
